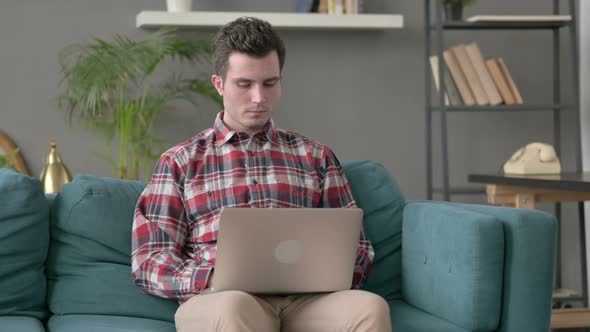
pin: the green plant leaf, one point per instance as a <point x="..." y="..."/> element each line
<point x="109" y="86"/>
<point x="5" y="160"/>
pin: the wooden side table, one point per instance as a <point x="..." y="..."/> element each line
<point x="525" y="191"/>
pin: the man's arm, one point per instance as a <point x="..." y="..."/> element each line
<point x="160" y="228"/>
<point x="336" y="193"/>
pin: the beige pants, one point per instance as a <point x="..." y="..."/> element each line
<point x="351" y="310"/>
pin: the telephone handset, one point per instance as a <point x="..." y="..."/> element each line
<point x="535" y="158"/>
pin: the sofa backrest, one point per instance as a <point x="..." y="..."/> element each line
<point x="89" y="258"/>
<point x="24" y="238"/>
<point x="377" y="193"/>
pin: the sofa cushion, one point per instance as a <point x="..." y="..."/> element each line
<point x="89" y="258"/>
<point x="377" y="193"/>
<point x="95" y="323"/>
<point x="21" y="324"/>
<point x="24" y="238"/>
<point x="453" y="260"/>
<point x="405" y="318"/>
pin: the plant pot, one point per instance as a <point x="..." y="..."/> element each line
<point x="179" y="6"/>
<point x="454" y="12"/>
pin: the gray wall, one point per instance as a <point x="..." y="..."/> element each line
<point x="362" y="93"/>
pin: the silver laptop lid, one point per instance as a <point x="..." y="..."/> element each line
<point x="287" y="250"/>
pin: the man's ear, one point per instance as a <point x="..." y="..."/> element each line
<point x="218" y="84"/>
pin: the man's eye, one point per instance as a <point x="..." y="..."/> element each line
<point x="270" y="83"/>
<point x="243" y="84"/>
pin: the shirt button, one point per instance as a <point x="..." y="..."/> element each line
<point x="254" y="181"/>
<point x="250" y="153"/>
<point x="209" y="193"/>
<point x="198" y="287"/>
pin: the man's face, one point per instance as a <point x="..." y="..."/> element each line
<point x="251" y="91"/>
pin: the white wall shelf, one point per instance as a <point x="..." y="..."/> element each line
<point x="292" y="21"/>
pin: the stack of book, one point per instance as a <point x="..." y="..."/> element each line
<point x="335" y="7"/>
<point x="472" y="80"/>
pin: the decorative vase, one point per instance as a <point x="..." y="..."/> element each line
<point x="179" y="6"/>
<point x="454" y="12"/>
<point x="55" y="173"/>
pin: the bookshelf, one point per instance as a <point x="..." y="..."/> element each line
<point x="502" y="108"/>
<point x="435" y="31"/>
<point x="435" y="28"/>
<point x="514" y="25"/>
<point x="284" y="21"/>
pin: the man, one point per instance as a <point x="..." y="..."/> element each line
<point x="243" y="161"/>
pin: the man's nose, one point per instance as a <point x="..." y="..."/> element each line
<point x="258" y="95"/>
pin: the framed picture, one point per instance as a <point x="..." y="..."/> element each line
<point x="10" y="150"/>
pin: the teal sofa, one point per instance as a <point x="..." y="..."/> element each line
<point x="446" y="267"/>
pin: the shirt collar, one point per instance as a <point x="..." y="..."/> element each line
<point x="223" y="134"/>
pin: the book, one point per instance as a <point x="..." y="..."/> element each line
<point x="476" y="58"/>
<point x="323" y="7"/>
<point x="519" y="18"/>
<point x="451" y="88"/>
<point x="351" y="7"/>
<point x="508" y="77"/>
<point x="459" y="78"/>
<point x="336" y="7"/>
<point x="303" y="6"/>
<point x="435" y="75"/>
<point x="452" y="96"/>
<point x="499" y="80"/>
<point x="470" y="75"/>
<point x="315" y="4"/>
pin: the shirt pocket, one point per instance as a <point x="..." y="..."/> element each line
<point x="206" y="198"/>
<point x="292" y="190"/>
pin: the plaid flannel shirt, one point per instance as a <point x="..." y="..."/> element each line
<point x="175" y="222"/>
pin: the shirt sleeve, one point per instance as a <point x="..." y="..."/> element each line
<point x="158" y="262"/>
<point x="336" y="193"/>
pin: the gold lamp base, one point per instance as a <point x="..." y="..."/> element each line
<point x="55" y="173"/>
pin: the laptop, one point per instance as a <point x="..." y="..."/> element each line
<point x="286" y="250"/>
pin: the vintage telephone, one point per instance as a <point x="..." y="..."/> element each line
<point x="535" y="158"/>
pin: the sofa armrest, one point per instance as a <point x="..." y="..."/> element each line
<point x="452" y="263"/>
<point x="510" y="285"/>
<point x="529" y="266"/>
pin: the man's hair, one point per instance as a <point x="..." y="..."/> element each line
<point x="247" y="35"/>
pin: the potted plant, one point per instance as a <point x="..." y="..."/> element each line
<point x="454" y="8"/>
<point x="5" y="161"/>
<point x="179" y="6"/>
<point x="109" y="86"/>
